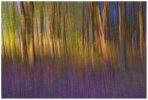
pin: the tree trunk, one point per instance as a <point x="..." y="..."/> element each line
<point x="31" y="53"/>
<point x="23" y="32"/>
<point x="85" y="24"/>
<point x="13" y="47"/>
<point x="140" y="27"/>
<point x="41" y="29"/>
<point x="122" y="47"/>
<point x="103" y="24"/>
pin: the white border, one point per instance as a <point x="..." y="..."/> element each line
<point x="76" y="0"/>
<point x="0" y="52"/>
<point x="80" y="1"/>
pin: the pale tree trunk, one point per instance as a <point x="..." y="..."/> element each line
<point x="103" y="24"/>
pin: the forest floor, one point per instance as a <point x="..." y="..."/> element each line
<point x="68" y="79"/>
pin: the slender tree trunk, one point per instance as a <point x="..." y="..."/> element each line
<point x="94" y="21"/>
<point x="65" y="30"/>
<point x="84" y="34"/>
<point x="53" y="28"/>
<point x="50" y="28"/>
<point x="13" y="33"/>
<point x="90" y="24"/>
<point x="122" y="49"/>
<point x="3" y="46"/>
<point x="23" y="32"/>
<point x="103" y="25"/>
<point x="140" y="27"/>
<point x="41" y="29"/>
<point x="31" y="53"/>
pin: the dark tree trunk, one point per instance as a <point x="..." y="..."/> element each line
<point x="23" y="32"/>
<point x="122" y="45"/>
